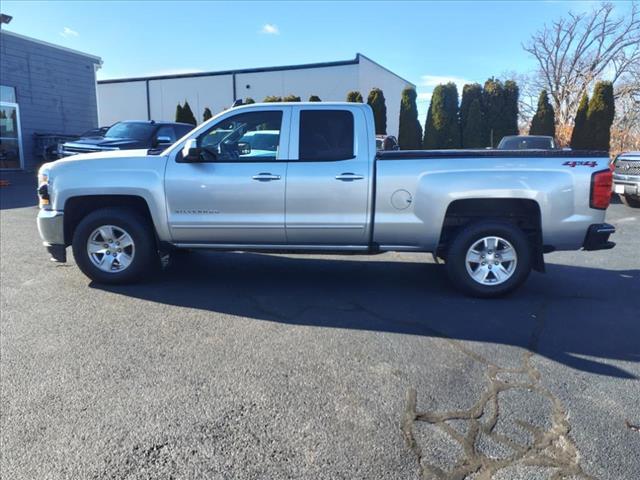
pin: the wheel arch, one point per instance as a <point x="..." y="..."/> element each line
<point x="78" y="207"/>
<point x="521" y="212"/>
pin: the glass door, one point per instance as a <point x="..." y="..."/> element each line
<point x="10" y="137"/>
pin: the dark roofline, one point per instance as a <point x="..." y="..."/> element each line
<point x="304" y="66"/>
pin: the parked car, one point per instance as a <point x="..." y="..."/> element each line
<point x="128" y="135"/>
<point x="323" y="187"/>
<point x="527" y="142"/>
<point x="387" y="142"/>
<point x="626" y="178"/>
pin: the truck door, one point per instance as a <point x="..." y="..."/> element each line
<point x="235" y="195"/>
<point x="329" y="177"/>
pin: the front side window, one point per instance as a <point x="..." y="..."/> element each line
<point x="251" y="136"/>
<point x="134" y="131"/>
<point x="326" y="135"/>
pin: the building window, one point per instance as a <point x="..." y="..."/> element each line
<point x="7" y="94"/>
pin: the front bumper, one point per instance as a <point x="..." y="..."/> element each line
<point x="597" y="237"/>
<point x="51" y="228"/>
<point x="626" y="184"/>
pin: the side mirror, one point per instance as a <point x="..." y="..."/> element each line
<point x="191" y="153"/>
<point x="163" y="140"/>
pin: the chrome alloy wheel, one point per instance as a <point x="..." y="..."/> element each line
<point x="491" y="261"/>
<point x="111" y="248"/>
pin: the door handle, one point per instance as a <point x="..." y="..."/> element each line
<point x="265" y="177"/>
<point x="349" y="177"/>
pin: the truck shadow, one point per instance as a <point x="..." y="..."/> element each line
<point x="567" y="315"/>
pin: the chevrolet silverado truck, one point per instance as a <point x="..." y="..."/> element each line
<point x="306" y="178"/>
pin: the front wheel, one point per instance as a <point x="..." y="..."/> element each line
<point x="489" y="259"/>
<point x="630" y="200"/>
<point x="114" y="245"/>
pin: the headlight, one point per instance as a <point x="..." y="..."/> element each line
<point x="43" y="188"/>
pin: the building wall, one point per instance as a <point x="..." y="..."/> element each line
<point x="127" y="100"/>
<point x="329" y="83"/>
<point x="55" y="89"/>
<point x="215" y="92"/>
<point x="118" y="101"/>
<point x="372" y="75"/>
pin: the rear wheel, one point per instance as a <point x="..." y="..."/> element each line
<point x="489" y="259"/>
<point x="630" y="200"/>
<point x="114" y="245"/>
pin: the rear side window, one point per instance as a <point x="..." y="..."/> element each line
<point x="326" y="135"/>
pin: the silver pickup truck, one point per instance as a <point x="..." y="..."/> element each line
<point x="306" y="177"/>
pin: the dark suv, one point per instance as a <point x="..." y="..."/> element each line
<point x="128" y="135"/>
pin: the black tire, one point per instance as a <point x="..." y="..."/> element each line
<point x="471" y="234"/>
<point x="139" y="228"/>
<point x="630" y="200"/>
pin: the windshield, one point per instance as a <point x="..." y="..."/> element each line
<point x="526" y="143"/>
<point x="136" y="131"/>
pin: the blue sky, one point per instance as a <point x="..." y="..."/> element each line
<point x="424" y="42"/>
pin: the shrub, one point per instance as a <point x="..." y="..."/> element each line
<point x="579" y="133"/>
<point x="377" y="102"/>
<point x="410" y="131"/>
<point x="600" y="117"/>
<point x="354" y="97"/>
<point x="442" y="128"/>
<point x="314" y="98"/>
<point x="207" y="114"/>
<point x="544" y="121"/>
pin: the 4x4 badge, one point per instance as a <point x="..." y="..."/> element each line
<point x="581" y="163"/>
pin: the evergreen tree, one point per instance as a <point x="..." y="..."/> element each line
<point x="512" y="92"/>
<point x="600" y="117"/>
<point x="187" y="114"/>
<point x="291" y="98"/>
<point x="272" y="98"/>
<point x="470" y="93"/>
<point x="248" y="101"/>
<point x="207" y="114"/>
<point x="442" y="129"/>
<point x="354" y="97"/>
<point x="410" y="131"/>
<point x="377" y="102"/>
<point x="493" y="99"/>
<point x="314" y="98"/>
<point x="179" y="113"/>
<point x="544" y="121"/>
<point x="579" y="133"/>
<point x="473" y="134"/>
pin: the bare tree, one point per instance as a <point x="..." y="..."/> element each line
<point x="573" y="52"/>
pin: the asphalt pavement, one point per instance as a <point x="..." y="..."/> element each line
<point x="252" y="366"/>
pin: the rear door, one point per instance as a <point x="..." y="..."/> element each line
<point x="329" y="177"/>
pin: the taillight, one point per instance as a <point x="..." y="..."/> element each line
<point x="601" y="183"/>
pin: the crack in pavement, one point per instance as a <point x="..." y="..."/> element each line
<point x="551" y="447"/>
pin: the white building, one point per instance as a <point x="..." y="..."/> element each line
<point x="156" y="98"/>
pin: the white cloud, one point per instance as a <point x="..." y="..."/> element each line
<point x="270" y="29"/>
<point x="67" y="32"/>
